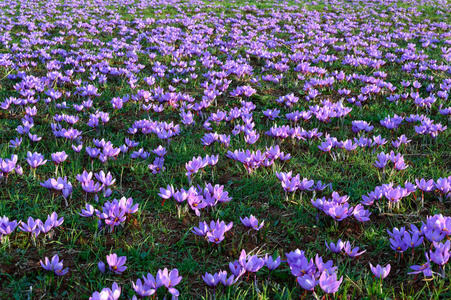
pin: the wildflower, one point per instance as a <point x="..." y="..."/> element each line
<point x="7" y="226"/>
<point x="211" y="279"/>
<point x="424" y="268"/>
<point x="352" y="252"/>
<point x="379" y="271"/>
<point x="169" y="280"/>
<point x="335" y="248"/>
<point x="107" y="294"/>
<point x="54" y="265"/>
<point x="35" y="159"/>
<point x="251" y="263"/>
<point x="307" y="282"/>
<point x="88" y="212"/>
<point x="252" y="222"/>
<point x="329" y="283"/>
<point x="270" y="263"/>
<point x="116" y="264"/>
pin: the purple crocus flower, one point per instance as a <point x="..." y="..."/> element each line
<point x="301" y="266"/>
<point x="88" y="212"/>
<point x="115" y="216"/>
<point x="425" y="186"/>
<point x="8" y="165"/>
<point x="424" y="268"/>
<point x="443" y="185"/>
<point x="352" y="252"/>
<point x="194" y="165"/>
<point x="335" y="248"/>
<point x="397" y="232"/>
<point x="18" y="170"/>
<point x="196" y="203"/>
<point x="107" y="294"/>
<point x="160" y="151"/>
<point x="15" y="143"/>
<point x="398" y="244"/>
<point x="126" y="204"/>
<point x="59" y="157"/>
<point x="116" y="264"/>
<point x="434" y="235"/>
<point x="51" y="222"/>
<point x="7" y="226"/>
<point x="413" y="240"/>
<point x="101" y="266"/>
<point x="270" y="263"/>
<point x="105" y="179"/>
<point x="157" y="166"/>
<point x="166" y="193"/>
<point x="92" y="152"/>
<point x="211" y="279"/>
<point x="441" y="254"/>
<point x="340" y="212"/>
<point x="251" y="263"/>
<point x="307" y="282"/>
<point x="216" y="236"/>
<point x="84" y="177"/>
<point x="361" y="214"/>
<point x="170" y="280"/>
<point x="212" y="160"/>
<point x="226" y="281"/>
<point x="236" y="269"/>
<point x="381" y="161"/>
<point x="380" y="272"/>
<point x="143" y="290"/>
<point x="202" y="230"/>
<point x="151" y="282"/>
<point x="32" y="226"/>
<point x="329" y="283"/>
<point x="252" y="222"/>
<point x="91" y="187"/>
<point x="54" y="265"/>
<point x="35" y="159"/>
<point x="323" y="266"/>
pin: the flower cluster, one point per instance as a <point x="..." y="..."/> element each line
<point x="339" y="209"/>
<point x="115" y="264"/>
<point x="197" y="197"/>
<point x="35" y="227"/>
<point x="254" y="159"/>
<point x="292" y="183"/>
<point x="397" y="160"/>
<point x="149" y="285"/>
<point x="114" y="213"/>
<point x="215" y="233"/>
<point x="309" y="273"/>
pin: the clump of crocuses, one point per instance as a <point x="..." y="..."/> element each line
<point x="114" y="213"/>
<point x="310" y="273"/>
<point x="150" y="284"/>
<point x="213" y="233"/>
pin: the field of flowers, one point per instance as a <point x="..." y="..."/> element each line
<point x="164" y="149"/>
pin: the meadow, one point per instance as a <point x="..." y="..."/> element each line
<point x="175" y="149"/>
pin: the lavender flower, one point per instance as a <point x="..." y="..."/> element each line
<point x="55" y="265"/>
<point x="252" y="222"/>
<point x="116" y="264"/>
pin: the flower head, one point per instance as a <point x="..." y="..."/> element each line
<point x="55" y="265"/>
<point x="115" y="263"/>
<point x="380" y="272"/>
